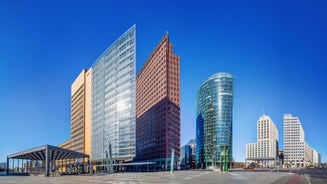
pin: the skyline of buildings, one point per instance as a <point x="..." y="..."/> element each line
<point x="266" y="54"/>
<point x="111" y="60"/>
<point x="214" y="121"/>
<point x="158" y="107"/>
<point x="296" y="153"/>
<point x="139" y="117"/>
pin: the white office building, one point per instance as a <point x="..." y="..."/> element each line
<point x="251" y="150"/>
<point x="315" y="157"/>
<point x="297" y="153"/>
<point x="266" y="149"/>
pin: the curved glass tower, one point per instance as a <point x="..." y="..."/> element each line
<point x="214" y="121"/>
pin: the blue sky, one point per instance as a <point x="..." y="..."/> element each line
<point x="275" y="49"/>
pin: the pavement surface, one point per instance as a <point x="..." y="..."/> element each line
<point x="178" y="177"/>
<point x="315" y="175"/>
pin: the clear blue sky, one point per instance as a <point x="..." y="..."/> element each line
<point x="275" y="49"/>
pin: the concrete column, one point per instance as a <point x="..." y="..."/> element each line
<point x="220" y="164"/>
<point x="91" y="167"/>
<point x="70" y="168"/>
<point x="225" y="157"/>
<point x="27" y="165"/>
<point x="53" y="167"/>
<point x="22" y="165"/>
<point x="7" y="166"/>
<point x="111" y="171"/>
<point x="34" y="167"/>
<point x="47" y="163"/>
<point x="107" y="161"/>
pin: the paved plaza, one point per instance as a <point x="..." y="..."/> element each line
<point x="178" y="177"/>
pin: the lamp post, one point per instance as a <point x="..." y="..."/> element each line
<point x="172" y="161"/>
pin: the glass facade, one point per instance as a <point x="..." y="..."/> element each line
<point x="113" y="99"/>
<point x="214" y="120"/>
<point x="187" y="155"/>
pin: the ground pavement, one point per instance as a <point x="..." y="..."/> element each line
<point x="178" y="177"/>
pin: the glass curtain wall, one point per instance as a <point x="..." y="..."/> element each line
<point x="113" y="100"/>
<point x="214" y="121"/>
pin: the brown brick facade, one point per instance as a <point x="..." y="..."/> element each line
<point x="158" y="104"/>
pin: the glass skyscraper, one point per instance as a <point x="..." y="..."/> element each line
<point x="214" y="120"/>
<point x="113" y="100"/>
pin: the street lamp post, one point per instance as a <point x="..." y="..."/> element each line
<point x="172" y="161"/>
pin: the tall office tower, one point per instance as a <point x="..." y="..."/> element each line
<point x="113" y="101"/>
<point x="294" y="144"/>
<point x="266" y="146"/>
<point x="214" y="121"/>
<point x="80" y="125"/>
<point x="158" y="107"/>
<point x="80" y="131"/>
<point x="297" y="152"/>
<point x="267" y="138"/>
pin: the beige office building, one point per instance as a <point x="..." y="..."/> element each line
<point x="80" y="122"/>
<point x="66" y="145"/>
<point x="80" y="127"/>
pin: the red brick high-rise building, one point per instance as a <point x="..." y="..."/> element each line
<point x="158" y="107"/>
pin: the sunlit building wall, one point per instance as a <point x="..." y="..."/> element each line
<point x="251" y="150"/>
<point x="267" y="138"/>
<point x="315" y="157"/>
<point x="113" y="100"/>
<point x="294" y="144"/>
<point x="265" y="151"/>
<point x="297" y="152"/>
<point x="80" y="130"/>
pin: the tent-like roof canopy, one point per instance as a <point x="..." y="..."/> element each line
<point x="54" y="153"/>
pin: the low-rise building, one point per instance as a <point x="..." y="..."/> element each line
<point x="187" y="155"/>
<point x="3" y="166"/>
